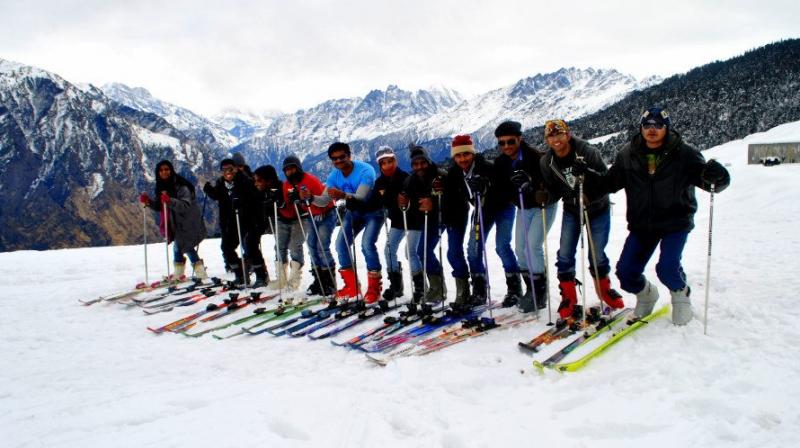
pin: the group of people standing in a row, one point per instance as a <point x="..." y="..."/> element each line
<point x="517" y="193"/>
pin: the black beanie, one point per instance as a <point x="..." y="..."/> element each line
<point x="418" y="152"/>
<point x="508" y="128"/>
<point x="292" y="161"/>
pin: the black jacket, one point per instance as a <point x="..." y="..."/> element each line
<point x="457" y="195"/>
<point x="561" y="183"/>
<point x="416" y="188"/>
<point x="530" y="163"/>
<point x="663" y="202"/>
<point x="243" y="193"/>
<point x="385" y="192"/>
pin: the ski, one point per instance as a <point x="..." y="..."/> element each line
<point x="283" y="311"/>
<point x="615" y="337"/>
<point x="181" y="301"/>
<point x="310" y="318"/>
<point x="363" y="316"/>
<point x="390" y="325"/>
<point x="138" y="289"/>
<point x="224" y="311"/>
<point x="251" y="330"/>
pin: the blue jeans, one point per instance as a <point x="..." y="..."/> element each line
<point x="570" y="238"/>
<point x="177" y="254"/>
<point x="290" y="239"/>
<point x="352" y="224"/>
<point x="417" y="249"/>
<point x="393" y="246"/>
<point x="636" y="253"/>
<point x="502" y="239"/>
<point x="531" y="220"/>
<point x="320" y="255"/>
<point x="455" y="250"/>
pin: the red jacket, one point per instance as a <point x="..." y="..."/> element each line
<point x="312" y="184"/>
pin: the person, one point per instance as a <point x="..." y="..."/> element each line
<point x="237" y="196"/>
<point x="306" y="196"/>
<point x="659" y="173"/>
<point x="286" y="231"/>
<point x="185" y="224"/>
<point x="387" y="188"/>
<point x="417" y="200"/>
<point x="352" y="181"/>
<point x="531" y="229"/>
<point x="557" y="170"/>
<point x="241" y="164"/>
<point x="470" y="177"/>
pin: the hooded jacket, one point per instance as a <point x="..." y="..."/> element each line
<point x="186" y="226"/>
<point x="561" y="184"/>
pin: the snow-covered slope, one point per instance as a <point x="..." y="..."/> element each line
<point x="75" y="376"/>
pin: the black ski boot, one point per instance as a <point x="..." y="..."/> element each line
<point x="262" y="278"/>
<point x="513" y="289"/>
<point x="314" y="289"/>
<point x="395" y="289"/>
<point x="540" y="287"/>
<point x="328" y="281"/>
<point x="479" y="291"/>
<point x="419" y="286"/>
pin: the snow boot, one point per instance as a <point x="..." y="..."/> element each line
<point x="525" y="303"/>
<point x="681" y="306"/>
<point x="199" y="270"/>
<point x="418" y="278"/>
<point x="462" y="291"/>
<point x="315" y="288"/>
<point x="262" y="278"/>
<point x="435" y="288"/>
<point x="513" y="289"/>
<point x="395" y="289"/>
<point x="350" y="288"/>
<point x="296" y="276"/>
<point x="540" y="288"/>
<point x="646" y="300"/>
<point x="374" y="286"/>
<point x="569" y="297"/>
<point x="608" y="295"/>
<point x="279" y="282"/>
<point x="179" y="268"/>
<point x="478" y="289"/>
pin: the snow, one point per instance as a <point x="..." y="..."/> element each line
<point x="96" y="187"/>
<point x="603" y="138"/>
<point x="150" y="138"/>
<point x="77" y="376"/>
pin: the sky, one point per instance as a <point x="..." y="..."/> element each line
<point x="273" y="55"/>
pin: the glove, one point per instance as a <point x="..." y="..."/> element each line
<point x="714" y="172"/>
<point x="437" y="185"/>
<point x="208" y="188"/>
<point x="520" y="178"/>
<point x="478" y="184"/>
<point x="542" y="197"/>
<point x="305" y="195"/>
<point x="269" y="195"/>
<point x="164" y="197"/>
<point x="579" y="167"/>
<point x="425" y="205"/>
<point x="402" y="200"/>
<point x="294" y="196"/>
<point x="236" y="203"/>
<point x="144" y="198"/>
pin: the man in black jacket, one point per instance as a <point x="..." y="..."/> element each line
<point x="558" y="170"/>
<point x="235" y="192"/>
<point x="659" y="173"/>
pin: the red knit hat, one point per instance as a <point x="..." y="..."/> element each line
<point x="462" y="143"/>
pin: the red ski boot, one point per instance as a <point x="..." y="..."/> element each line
<point x="609" y="296"/>
<point x="374" y="286"/>
<point x="350" y="288"/>
<point x="569" y="298"/>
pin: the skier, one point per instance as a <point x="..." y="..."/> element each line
<point x="387" y="187"/>
<point x="536" y="203"/>
<point x="305" y="195"/>
<point x="659" y="173"/>
<point x="470" y="177"/>
<point x="557" y="169"/>
<point x="241" y="164"/>
<point x="353" y="182"/>
<point x="186" y="227"/>
<point x="236" y="194"/>
<point x="417" y="200"/>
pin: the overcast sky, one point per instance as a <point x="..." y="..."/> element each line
<point x="285" y="55"/>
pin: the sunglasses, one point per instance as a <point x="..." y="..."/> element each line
<point x="227" y="170"/>
<point x="652" y="126"/>
<point x="509" y="142"/>
<point x="339" y="158"/>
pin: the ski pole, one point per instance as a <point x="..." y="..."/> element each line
<point x="593" y="253"/>
<point x="439" y="213"/>
<point x="166" y="237"/>
<point x="319" y="241"/>
<point x="279" y="269"/>
<point x="546" y="266"/>
<point x="583" y="249"/>
<point x="349" y="249"/>
<point x="389" y="258"/>
<point x="485" y="259"/>
<point x="529" y="256"/>
<point x="425" y="285"/>
<point x="241" y="249"/>
<point x="328" y="264"/>
<point x="708" y="258"/>
<point x="408" y="249"/>
<point x="144" y="233"/>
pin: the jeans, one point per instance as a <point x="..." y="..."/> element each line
<point x="531" y="219"/>
<point x="570" y="238"/>
<point x="636" y="253"/>
<point x="353" y="223"/>
<point x="455" y="250"/>
<point x="320" y="255"/>
<point x="393" y="246"/>
<point x="502" y="239"/>
<point x="417" y="248"/>
<point x="177" y="254"/>
<point x="290" y="239"/>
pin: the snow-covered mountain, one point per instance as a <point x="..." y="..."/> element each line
<point x="193" y="125"/>
<point x="72" y="161"/>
